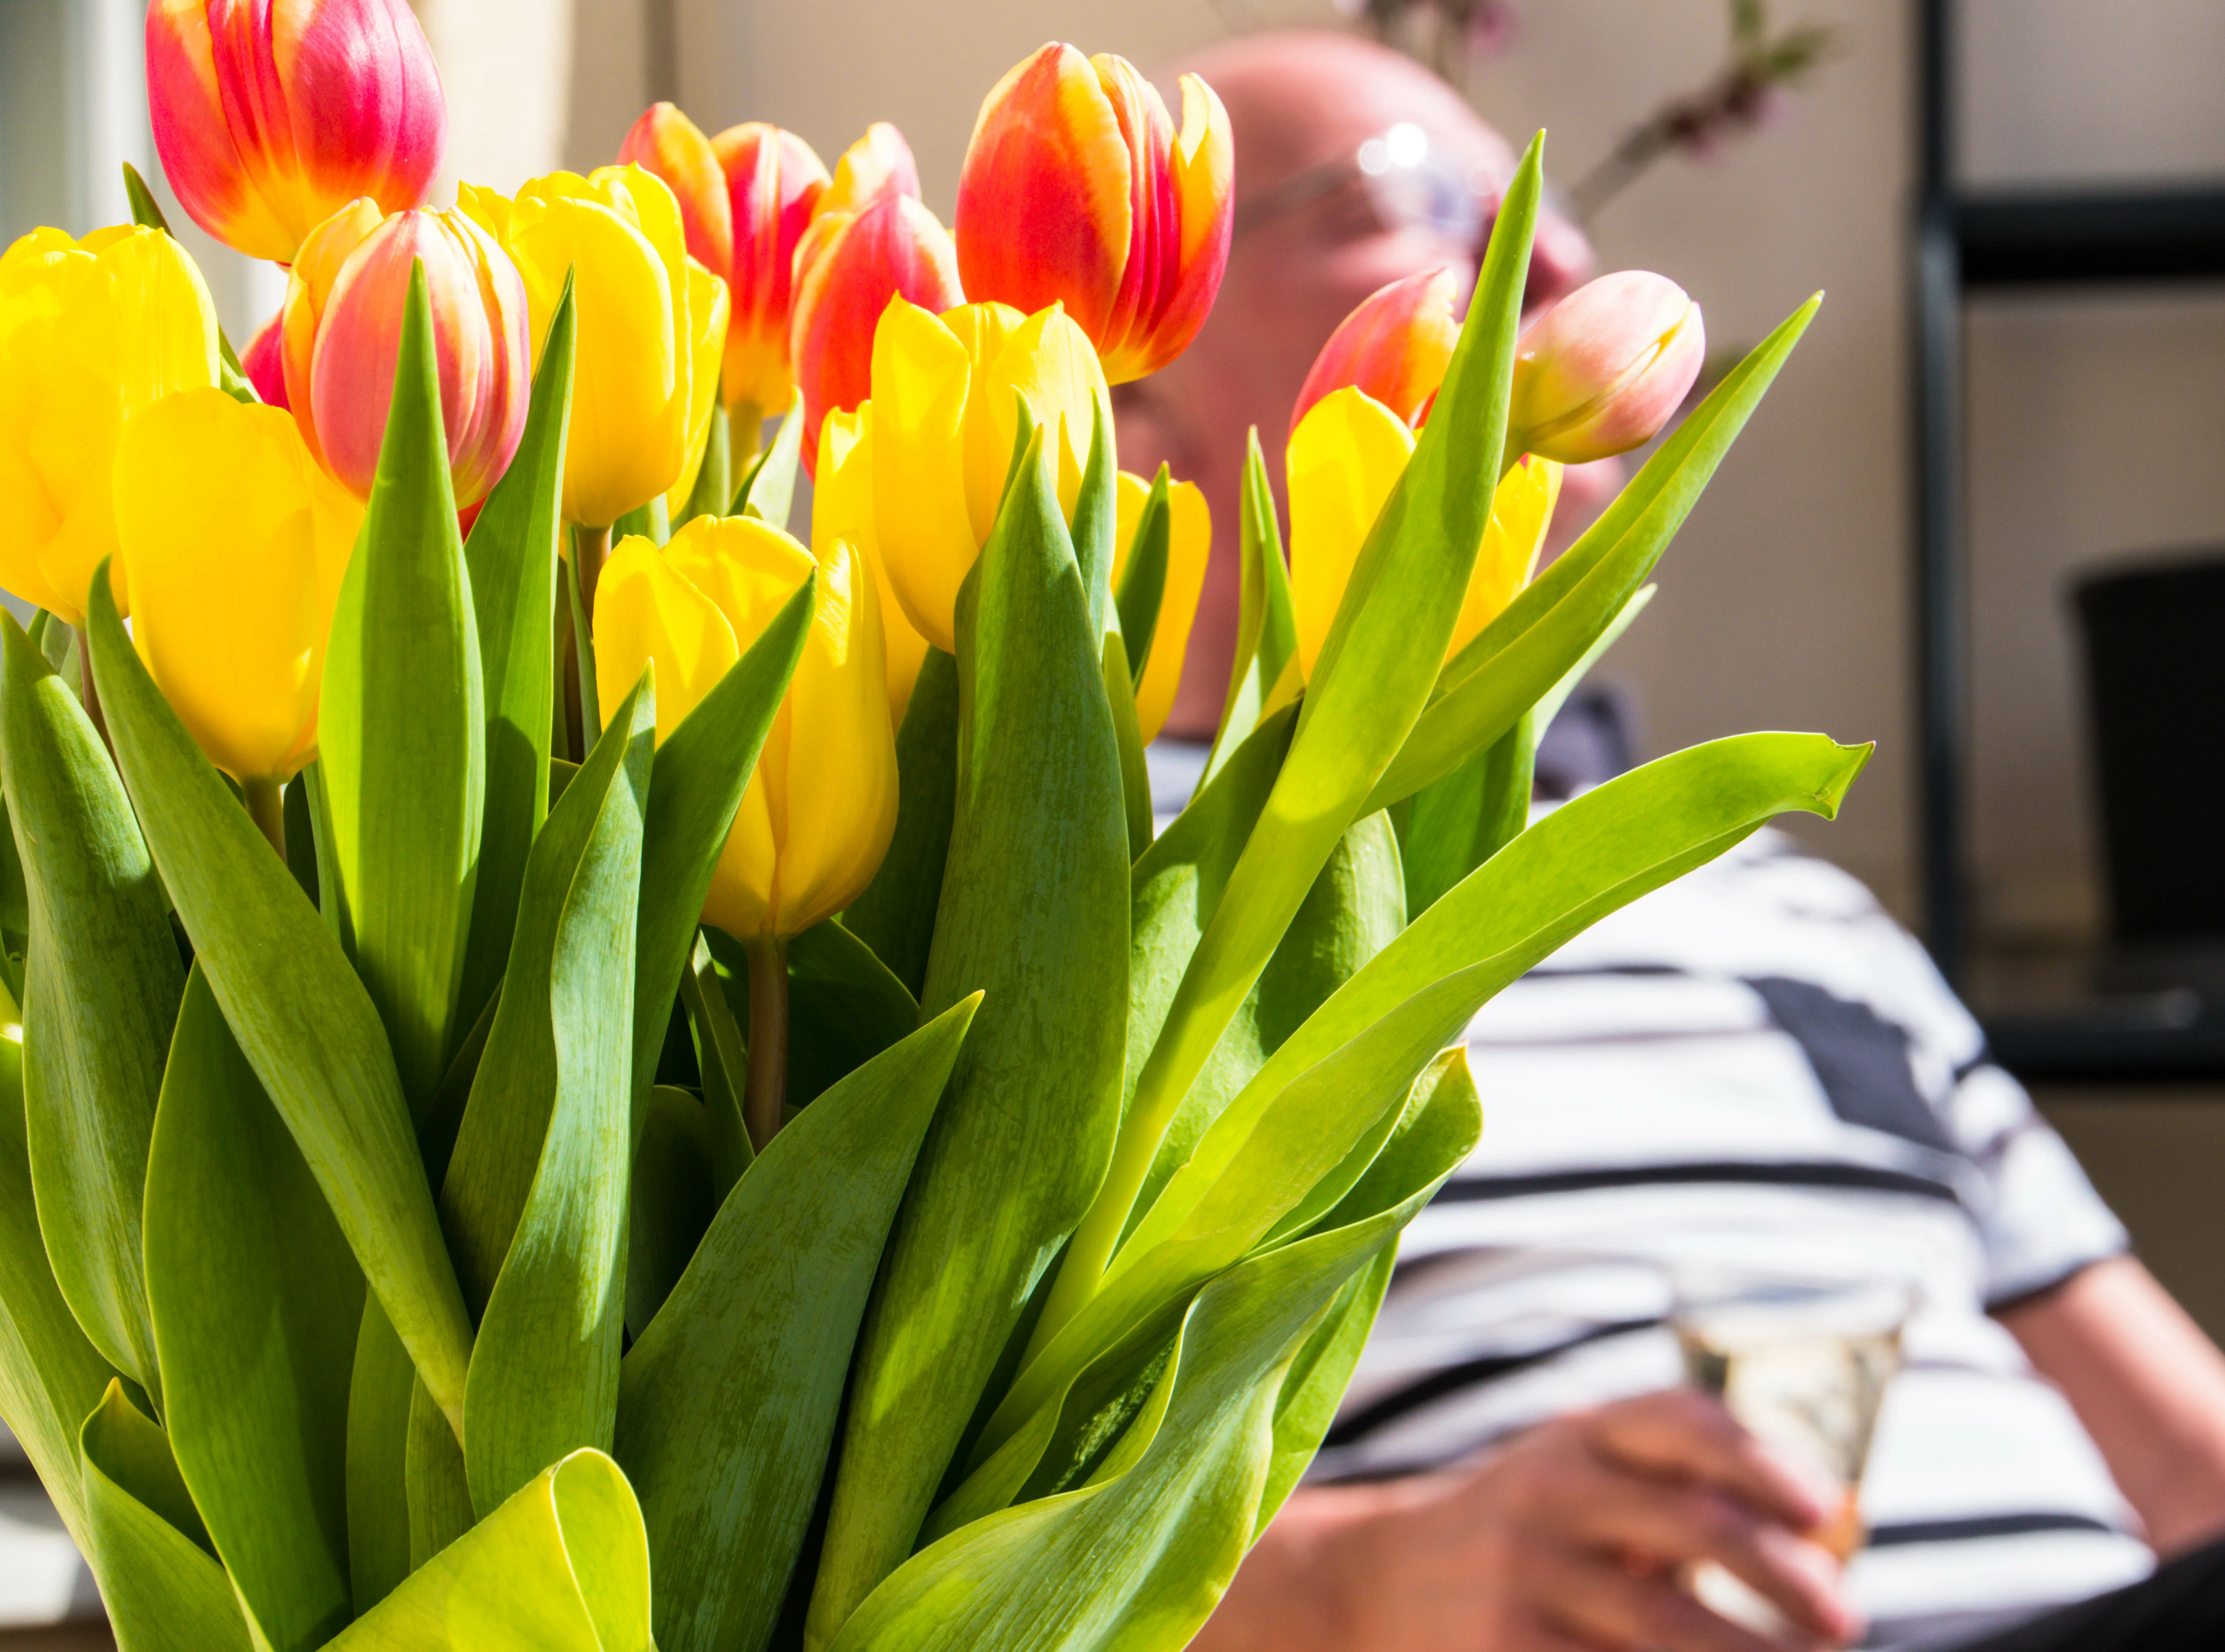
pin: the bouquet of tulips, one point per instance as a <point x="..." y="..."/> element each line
<point x="587" y="1071"/>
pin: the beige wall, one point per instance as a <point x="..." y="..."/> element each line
<point x="2095" y="424"/>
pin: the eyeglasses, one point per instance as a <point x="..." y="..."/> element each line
<point x="1411" y="183"/>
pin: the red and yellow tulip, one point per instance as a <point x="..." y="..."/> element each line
<point x="822" y="804"/>
<point x="233" y="543"/>
<point x="1602" y="371"/>
<point x="1395" y="346"/>
<point x="342" y="327"/>
<point x="1189" y="544"/>
<point x="944" y="420"/>
<point x="270" y="115"/>
<point x="849" y="269"/>
<point x="666" y="142"/>
<point x="774" y="184"/>
<point x="92" y="334"/>
<point x="1344" y="457"/>
<point x="1078" y="189"/>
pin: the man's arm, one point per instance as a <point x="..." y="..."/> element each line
<point x="2147" y="1384"/>
<point x="1567" y="1538"/>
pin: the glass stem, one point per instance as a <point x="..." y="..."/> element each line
<point x="768" y="1059"/>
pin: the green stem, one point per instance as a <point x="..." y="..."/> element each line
<point x="722" y="1054"/>
<point x="768" y="1080"/>
<point x="266" y="804"/>
<point x="88" y="693"/>
<point x="593" y="547"/>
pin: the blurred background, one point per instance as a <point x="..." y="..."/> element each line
<point x="2077" y="423"/>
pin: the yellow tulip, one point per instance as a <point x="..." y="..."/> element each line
<point x="617" y="233"/>
<point x="944" y="419"/>
<point x="92" y="333"/>
<point x="1189" y="542"/>
<point x="842" y="508"/>
<point x="821" y="806"/>
<point x="1344" y="457"/>
<point x="234" y="540"/>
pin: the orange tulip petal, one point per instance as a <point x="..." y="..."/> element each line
<point x="1395" y="345"/>
<point x="774" y="185"/>
<point x="666" y="142"/>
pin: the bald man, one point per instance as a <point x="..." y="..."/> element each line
<point x="1574" y="1525"/>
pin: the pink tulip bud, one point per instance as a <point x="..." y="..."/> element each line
<point x="352" y="330"/>
<point x="1603" y="370"/>
<point x="665" y="141"/>
<point x="774" y="185"/>
<point x="1395" y="347"/>
<point x="1079" y="189"/>
<point x="269" y="115"/>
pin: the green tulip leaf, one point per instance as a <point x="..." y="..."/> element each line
<point x="101" y="989"/>
<point x="256" y="1303"/>
<point x="768" y="492"/>
<point x="402" y="735"/>
<point x="535" y="1197"/>
<point x="682" y="1172"/>
<point x="511" y="556"/>
<point x="1034" y="913"/>
<point x="51" y="1377"/>
<point x="380" y="1383"/>
<point x="1095" y="529"/>
<point x="697" y="781"/>
<point x="1266" y="621"/>
<point x="895" y="915"/>
<point x="714" y="477"/>
<point x="1135" y="773"/>
<point x="304" y="1020"/>
<point x="1314" y="1386"/>
<point x="728" y="1402"/>
<point x="164" y="1590"/>
<point x="15" y="908"/>
<point x="435" y="1479"/>
<point x="1549" y="628"/>
<point x="1143" y="582"/>
<point x="561" y="1567"/>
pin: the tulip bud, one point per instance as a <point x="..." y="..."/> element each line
<point x="848" y="269"/>
<point x="944" y="421"/>
<point x="821" y="806"/>
<point x="270" y="115"/>
<point x="1395" y="345"/>
<point x="774" y="185"/>
<point x="1344" y="457"/>
<point x="343" y="329"/>
<point x="666" y="142"/>
<point x="878" y="165"/>
<point x="93" y="333"/>
<point x="843" y="509"/>
<point x="234" y="541"/>
<point x="1602" y="371"/>
<point x="1078" y="189"/>
<point x="618" y="233"/>
<point x="263" y="361"/>
<point x="1189" y="544"/>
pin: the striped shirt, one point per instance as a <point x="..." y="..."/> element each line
<point x="1757" y="1068"/>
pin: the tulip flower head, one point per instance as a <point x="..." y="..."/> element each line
<point x="848" y="269"/>
<point x="234" y="541"/>
<point x="774" y="184"/>
<point x="1344" y="457"/>
<point x="1078" y="189"/>
<point x="878" y="165"/>
<point x="263" y="361"/>
<point x="1603" y="370"/>
<point x="270" y="115"/>
<point x="666" y="142"/>
<point x="92" y="334"/>
<point x="821" y="805"/>
<point x="342" y="328"/>
<point x="843" y="509"/>
<point x="618" y="233"/>
<point x="1396" y="346"/>
<point x="945" y="415"/>
<point x="1189" y="542"/>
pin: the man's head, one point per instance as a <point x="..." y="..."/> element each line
<point x="1354" y="167"/>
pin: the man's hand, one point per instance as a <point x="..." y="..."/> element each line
<point x="1568" y="1538"/>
